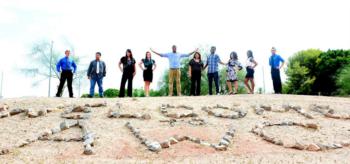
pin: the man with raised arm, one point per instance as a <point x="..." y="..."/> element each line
<point x="174" y="68"/>
<point x="213" y="61"/>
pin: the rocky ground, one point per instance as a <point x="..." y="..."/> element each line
<point x="215" y="129"/>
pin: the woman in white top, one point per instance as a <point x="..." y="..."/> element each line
<point x="250" y="65"/>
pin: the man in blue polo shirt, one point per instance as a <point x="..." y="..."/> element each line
<point x="67" y="67"/>
<point x="274" y="62"/>
<point x="174" y="65"/>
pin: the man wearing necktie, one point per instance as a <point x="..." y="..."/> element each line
<point x="274" y="62"/>
<point x="96" y="73"/>
<point x="67" y="67"/>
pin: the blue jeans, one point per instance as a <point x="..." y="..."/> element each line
<point x="93" y="82"/>
<point x="213" y="76"/>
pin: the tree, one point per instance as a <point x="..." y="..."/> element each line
<point x="343" y="81"/>
<point x="40" y="58"/>
<point x="329" y="65"/>
<point x="315" y="72"/>
<point x="302" y="72"/>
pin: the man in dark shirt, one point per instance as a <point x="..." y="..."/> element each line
<point x="96" y="73"/>
<point x="67" y="67"/>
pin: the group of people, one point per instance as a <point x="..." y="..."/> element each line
<point x="127" y="65"/>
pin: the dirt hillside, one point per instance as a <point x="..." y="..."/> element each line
<point x="208" y="129"/>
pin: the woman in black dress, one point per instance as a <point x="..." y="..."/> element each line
<point x="149" y="65"/>
<point x="195" y="73"/>
<point x="129" y="72"/>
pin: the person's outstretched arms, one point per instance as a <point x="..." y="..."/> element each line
<point x="221" y="61"/>
<point x="189" y="54"/>
<point x="159" y="54"/>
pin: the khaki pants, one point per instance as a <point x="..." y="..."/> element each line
<point x="174" y="73"/>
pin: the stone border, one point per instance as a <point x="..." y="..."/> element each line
<point x="156" y="146"/>
<point x="195" y="121"/>
<point x="28" y="112"/>
<point x="76" y="112"/>
<point x="164" y="110"/>
<point x="118" y="114"/>
<point x="239" y="113"/>
<point x="115" y="114"/>
<point x="258" y="130"/>
<point x="260" y="109"/>
<point x="326" y="111"/>
<point x="87" y="136"/>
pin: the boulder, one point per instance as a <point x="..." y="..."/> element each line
<point x="153" y="146"/>
<point x="16" y="111"/>
<point x="4" y="151"/>
<point x="88" y="150"/>
<point x="173" y="141"/>
<point x="42" y="112"/>
<point x="266" y="107"/>
<point x="259" y="111"/>
<point x="165" y="144"/>
<point x="313" y="147"/>
<point x="31" y="113"/>
<point x="146" y="116"/>
<point x="4" y="114"/>
<point x="78" y="109"/>
<point x="311" y="125"/>
<point x="55" y="130"/>
<point x="4" y="107"/>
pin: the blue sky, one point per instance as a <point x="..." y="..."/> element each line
<point x="113" y="26"/>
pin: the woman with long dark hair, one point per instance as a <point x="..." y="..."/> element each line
<point x="149" y="65"/>
<point x="129" y="72"/>
<point x="233" y="67"/>
<point x="250" y="65"/>
<point x="195" y="73"/>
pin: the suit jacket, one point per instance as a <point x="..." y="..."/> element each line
<point x="93" y="67"/>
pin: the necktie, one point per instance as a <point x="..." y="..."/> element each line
<point x="98" y="68"/>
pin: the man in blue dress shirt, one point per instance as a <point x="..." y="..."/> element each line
<point x="274" y="62"/>
<point x="174" y="72"/>
<point x="67" y="67"/>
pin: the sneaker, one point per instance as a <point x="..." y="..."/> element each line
<point x="218" y="94"/>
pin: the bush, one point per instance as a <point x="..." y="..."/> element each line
<point x="111" y="93"/>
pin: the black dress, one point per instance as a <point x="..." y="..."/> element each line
<point x="196" y="68"/>
<point x="148" y="73"/>
<point x="128" y="71"/>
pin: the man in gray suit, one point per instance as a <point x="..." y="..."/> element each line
<point x="96" y="73"/>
